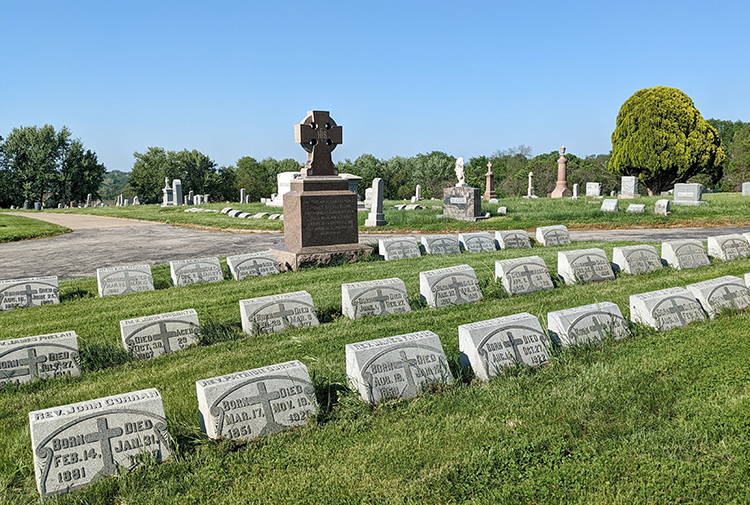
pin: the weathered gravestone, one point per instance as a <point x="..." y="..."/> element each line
<point x="629" y="187"/>
<point x="75" y="444"/>
<point x="561" y="186"/>
<point x="637" y="208"/>
<point x="196" y="271"/>
<point x="39" y="357"/>
<point x="243" y="195"/>
<point x="151" y="336"/>
<point x="260" y="215"/>
<point x="254" y="403"/>
<point x="584" y="265"/>
<point x="610" y="205"/>
<point x="489" y="346"/>
<point x="594" y="189"/>
<point x="449" y="286"/>
<point x="29" y="292"/>
<point x="636" y="259"/>
<point x="274" y="313"/>
<point x="553" y="235"/>
<point x="661" y="208"/>
<point x="523" y="275"/>
<point x="438" y="245"/>
<point x="413" y="207"/>
<point x="480" y="241"/>
<point x="124" y="280"/>
<point x="724" y="292"/>
<point x="376" y="217"/>
<point x="665" y="309"/>
<point x="396" y="367"/>
<point x="512" y="239"/>
<point x="728" y="247"/>
<point x="177" y="191"/>
<point x="252" y="265"/>
<point x="688" y="194"/>
<point x="589" y="324"/>
<point x="374" y="298"/>
<point x="684" y="254"/>
<point x="575" y="191"/>
<point x="398" y="248"/>
<point x="746" y="189"/>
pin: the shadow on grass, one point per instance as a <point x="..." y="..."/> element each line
<point x="98" y="356"/>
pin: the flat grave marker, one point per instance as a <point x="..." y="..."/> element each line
<point x="637" y="208"/>
<point x="274" y="313"/>
<point x="665" y="309"/>
<point x="587" y="324"/>
<point x="29" y="292"/>
<point x="151" y="336"/>
<point x="252" y="265"/>
<point x="480" y="241"/>
<point x="636" y="259"/>
<point x="39" y="357"/>
<point x="684" y="254"/>
<point x="398" y="248"/>
<point x="124" y="280"/>
<point x="439" y="245"/>
<point x="512" y="239"/>
<point x="728" y="247"/>
<point x="610" y="205"/>
<point x="714" y="295"/>
<point x="195" y="271"/>
<point x="584" y="265"/>
<point x="374" y="298"/>
<point x="553" y="235"/>
<point x="449" y="286"/>
<point x="523" y="275"/>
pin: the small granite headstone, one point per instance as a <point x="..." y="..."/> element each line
<point x="684" y="254"/>
<point x="629" y="186"/>
<point x="449" y="286"/>
<point x="724" y="292"/>
<point x="665" y="309"/>
<point x="463" y="203"/>
<point x="274" y="313"/>
<point x="438" y="245"/>
<point x="584" y="265"/>
<point x="688" y="194"/>
<point x="637" y="208"/>
<point x="39" y="357"/>
<point x="636" y="259"/>
<point x="398" y="248"/>
<point x="260" y="215"/>
<point x="374" y="298"/>
<point x="252" y="265"/>
<point x="746" y="189"/>
<point x="523" y="275"/>
<point x="489" y="346"/>
<point x="151" y="336"/>
<point x="75" y="444"/>
<point x="396" y="367"/>
<point x="587" y="324"/>
<point x="594" y="189"/>
<point x="747" y="280"/>
<point x="254" y="403"/>
<point x="728" y="247"/>
<point x="553" y="235"/>
<point x="368" y="198"/>
<point x="481" y="241"/>
<point x="124" y="280"/>
<point x="29" y="292"/>
<point x="512" y="239"/>
<point x="610" y="205"/>
<point x="575" y="191"/>
<point x="196" y="271"/>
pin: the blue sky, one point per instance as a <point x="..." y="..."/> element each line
<point x="402" y="77"/>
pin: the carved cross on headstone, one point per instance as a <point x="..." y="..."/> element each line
<point x="32" y="360"/>
<point x="673" y="309"/>
<point x="103" y="434"/>
<point x="282" y="314"/>
<point x="319" y="135"/>
<point x="379" y="298"/>
<point x="455" y="285"/>
<point x="513" y="343"/>
<point x="164" y="337"/>
<point x="523" y="274"/>
<point x="29" y="292"/>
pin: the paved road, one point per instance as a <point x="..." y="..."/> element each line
<point x="104" y="242"/>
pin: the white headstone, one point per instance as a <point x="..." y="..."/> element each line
<point x="512" y="239"/>
<point x="39" y="357"/>
<point x="728" y="247"/>
<point x="272" y="314"/>
<point x="594" y="189"/>
<point x="747" y="280"/>
<point x="610" y="205"/>
<point x="553" y="235"/>
<point x="374" y="298"/>
<point x="637" y="208"/>
<point x="480" y="241"/>
<point x="629" y="185"/>
<point x="684" y="254"/>
<point x="584" y="265"/>
<point x="252" y="265"/>
<point x="688" y="194"/>
<point x="575" y="190"/>
<point x="587" y="324"/>
<point x="665" y="309"/>
<point x="124" y="280"/>
<point x="418" y="192"/>
<point x="29" y="292"/>
<point x="398" y="248"/>
<point x="449" y="286"/>
<point x="196" y="271"/>
<point x="441" y="244"/>
<point x="662" y="208"/>
<point x="636" y="259"/>
<point x="260" y="215"/>
<point x="724" y="292"/>
<point x="523" y="275"/>
<point x="151" y="336"/>
<point x="284" y="185"/>
<point x="368" y="198"/>
<point x="746" y="189"/>
<point x="396" y="367"/>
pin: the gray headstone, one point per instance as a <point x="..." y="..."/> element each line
<point x="413" y="207"/>
<point x="438" y="245"/>
<point x="610" y="205"/>
<point x="244" y="215"/>
<point x="374" y="298"/>
<point x="662" y="208"/>
<point x="489" y="346"/>
<point x="274" y="217"/>
<point x="493" y="200"/>
<point x="724" y="292"/>
<point x="274" y="313"/>
<point x="39" y="357"/>
<point x="376" y="216"/>
<point x="665" y="309"/>
<point x="37" y="205"/>
<point x="151" y="336"/>
<point x="449" y="286"/>
<point x="418" y="192"/>
<point x="75" y="444"/>
<point x="594" y="189"/>
<point x="368" y="198"/>
<point x="587" y="324"/>
<point x="124" y="280"/>
<point x="235" y="213"/>
<point x="247" y="405"/>
<point x="636" y="259"/>
<point x="252" y="265"/>
<point x="575" y="190"/>
<point x="553" y="235"/>
<point x="480" y="241"/>
<point x="243" y="195"/>
<point x="396" y="367"/>
<point x="398" y="248"/>
<point x="637" y="208"/>
<point x="260" y="215"/>
<point x="688" y="194"/>
<point x="584" y="265"/>
<point x="629" y="185"/>
<point x="684" y="254"/>
<point x="747" y="280"/>
<point x="225" y="210"/>
<point x="177" y="190"/>
<point x="29" y="292"/>
<point x="523" y="275"/>
<point x="512" y="239"/>
<point x="728" y="247"/>
<point x="746" y="189"/>
<point x="502" y="210"/>
<point x="196" y="271"/>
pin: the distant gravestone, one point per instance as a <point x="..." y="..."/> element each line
<point x="177" y="191"/>
<point x="489" y="346"/>
<point x="124" y="280"/>
<point x="714" y="295"/>
<point x="75" y="444"/>
<point x="274" y="217"/>
<point x="243" y="195"/>
<point x="584" y="265"/>
<point x="662" y="208"/>
<point x="376" y="217"/>
<point x="636" y="259"/>
<point x="252" y="265"/>
<point x="439" y="245"/>
<point x="413" y="207"/>
<point x="728" y="247"/>
<point x="575" y="191"/>
<point x="665" y="309"/>
<point x="637" y="208"/>
<point x="274" y="313"/>
<point x="418" y="192"/>
<point x="684" y="254"/>
<point x="463" y="203"/>
<point x="29" y="292"/>
<point x="254" y="403"/>
<point x="398" y="248"/>
<point x="39" y="357"/>
<point x="746" y="189"/>
<point x="396" y="367"/>
<point x="26" y="205"/>
<point x="523" y="275"/>
<point x="481" y="241"/>
<point x="594" y="189"/>
<point x="512" y="239"/>
<point x="747" y="280"/>
<point x="260" y="215"/>
<point x="368" y="198"/>
<point x="196" y="271"/>
<point x="374" y="298"/>
<point x="449" y="286"/>
<point x="553" y="235"/>
<point x="688" y="194"/>
<point x="629" y="186"/>
<point x="151" y="336"/>
<point x="610" y="205"/>
<point x="284" y="186"/>
<point x="589" y="324"/>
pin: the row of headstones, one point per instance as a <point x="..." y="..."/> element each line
<point x="246" y="215"/>
<point x="662" y="207"/>
<point x="121" y="201"/>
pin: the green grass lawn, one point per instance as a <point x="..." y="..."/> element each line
<point x="13" y="228"/>
<point x="654" y="418"/>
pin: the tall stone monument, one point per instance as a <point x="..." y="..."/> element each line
<point x="561" y="188"/>
<point x="462" y="202"/>
<point x="489" y="187"/>
<point x="376" y="216"/>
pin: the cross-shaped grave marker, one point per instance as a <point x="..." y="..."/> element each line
<point x="694" y="257"/>
<point x="525" y="274"/>
<point x="455" y="285"/>
<point x="513" y="343"/>
<point x="553" y="237"/>
<point x="588" y="266"/>
<point x="319" y="135"/>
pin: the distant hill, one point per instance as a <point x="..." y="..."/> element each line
<point x="113" y="184"/>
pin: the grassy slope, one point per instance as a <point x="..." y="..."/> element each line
<point x="659" y="417"/>
<point x="13" y="228"/>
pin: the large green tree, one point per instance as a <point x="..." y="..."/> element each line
<point x="661" y="138"/>
<point x="148" y="173"/>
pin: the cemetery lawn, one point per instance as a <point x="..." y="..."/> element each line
<point x="653" y="418"/>
<point x="14" y="228"/>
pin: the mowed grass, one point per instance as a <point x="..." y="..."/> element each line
<point x="14" y="228"/>
<point x="654" y="418"/>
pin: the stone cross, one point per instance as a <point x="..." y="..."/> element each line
<point x="282" y="313"/>
<point x="676" y="310"/>
<point x="264" y="398"/>
<point x="530" y="190"/>
<point x="380" y="298"/>
<point x="513" y="343"/>
<point x="406" y="365"/>
<point x="29" y="292"/>
<point x="528" y="275"/>
<point x="319" y="135"/>
<point x="454" y="285"/>
<point x="489" y="187"/>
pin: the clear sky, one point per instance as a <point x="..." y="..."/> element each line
<point x="402" y="77"/>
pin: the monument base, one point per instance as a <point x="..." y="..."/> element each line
<point x="320" y="256"/>
<point x="561" y="190"/>
<point x="463" y="203"/>
<point x="628" y="196"/>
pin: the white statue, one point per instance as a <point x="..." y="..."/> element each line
<point x="460" y="173"/>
